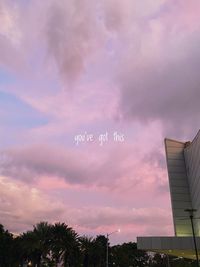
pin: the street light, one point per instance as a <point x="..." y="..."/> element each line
<point x="107" y="237"/>
<point x="191" y="211"/>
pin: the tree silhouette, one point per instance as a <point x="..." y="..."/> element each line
<point x="64" y="244"/>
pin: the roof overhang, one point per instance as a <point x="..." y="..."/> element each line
<point x="175" y="246"/>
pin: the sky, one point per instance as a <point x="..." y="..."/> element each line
<point x="88" y="92"/>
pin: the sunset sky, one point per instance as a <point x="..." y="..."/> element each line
<point x="102" y="69"/>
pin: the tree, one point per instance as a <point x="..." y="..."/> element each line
<point x="99" y="251"/>
<point x="36" y="244"/>
<point x="127" y="254"/>
<point x="159" y="260"/>
<point x="87" y="250"/>
<point x="162" y="260"/>
<point x="6" y="248"/>
<point x="42" y="232"/>
<point x="65" y="245"/>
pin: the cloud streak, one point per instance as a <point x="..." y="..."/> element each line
<point x="92" y="167"/>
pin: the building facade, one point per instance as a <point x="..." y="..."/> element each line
<point x="183" y="164"/>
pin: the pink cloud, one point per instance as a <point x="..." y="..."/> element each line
<point x="118" y="183"/>
<point x="131" y="222"/>
<point x="110" y="166"/>
<point x="49" y="183"/>
<point x="22" y="206"/>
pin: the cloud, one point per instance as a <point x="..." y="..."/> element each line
<point x="76" y="167"/>
<point x="29" y="163"/>
<point x="114" y="168"/>
<point x="119" y="16"/>
<point x="131" y="222"/>
<point x="71" y="35"/>
<point x="11" y="55"/>
<point x="67" y="34"/>
<point x="159" y="73"/>
<point x="72" y="109"/>
<point x="21" y="206"/>
<point x="76" y="56"/>
<point x="8" y="19"/>
<point x="107" y="215"/>
<point x="156" y="157"/>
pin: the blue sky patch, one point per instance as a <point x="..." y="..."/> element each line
<point x="15" y="113"/>
<point x="6" y="77"/>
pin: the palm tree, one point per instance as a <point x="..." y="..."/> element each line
<point x="87" y="250"/>
<point x="43" y="233"/>
<point x="64" y="245"/>
<point x="35" y="244"/>
<point x="99" y="255"/>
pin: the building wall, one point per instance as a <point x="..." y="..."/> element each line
<point x="179" y="186"/>
<point x="192" y="159"/>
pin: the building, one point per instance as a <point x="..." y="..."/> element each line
<point x="183" y="164"/>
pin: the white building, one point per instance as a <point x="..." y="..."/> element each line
<point x="183" y="164"/>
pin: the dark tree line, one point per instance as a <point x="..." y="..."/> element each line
<point x="56" y="245"/>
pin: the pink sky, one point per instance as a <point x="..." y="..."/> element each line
<point x="74" y="67"/>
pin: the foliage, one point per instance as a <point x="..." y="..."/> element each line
<point x="6" y="247"/>
<point x="127" y="254"/>
<point x="53" y="245"/>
